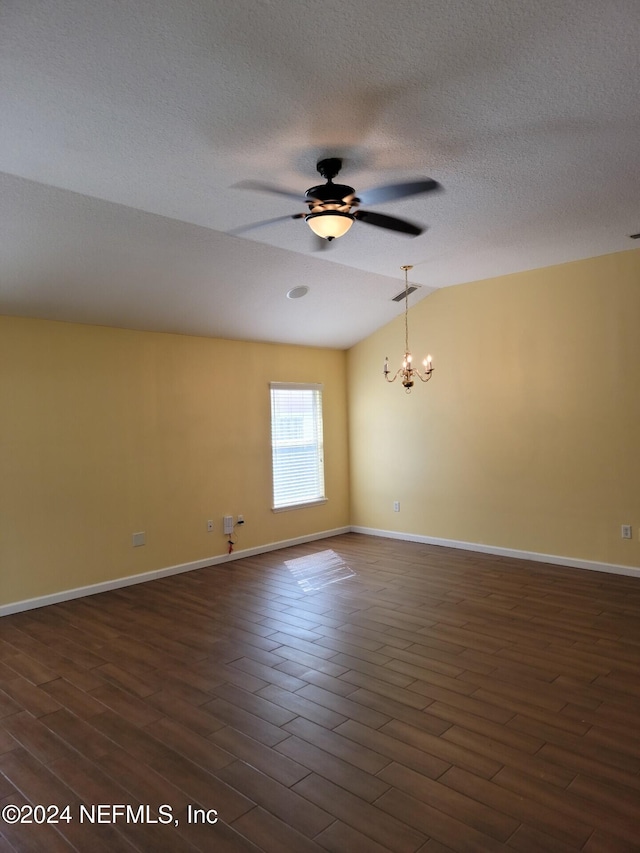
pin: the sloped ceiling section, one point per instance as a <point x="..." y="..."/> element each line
<point x="126" y="127"/>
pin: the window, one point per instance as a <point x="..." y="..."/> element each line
<point x="296" y="445"/>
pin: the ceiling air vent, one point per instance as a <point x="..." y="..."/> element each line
<point x="400" y="296"/>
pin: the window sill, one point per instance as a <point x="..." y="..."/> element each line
<point x="317" y="502"/>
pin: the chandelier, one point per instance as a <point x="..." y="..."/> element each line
<point x="408" y="372"/>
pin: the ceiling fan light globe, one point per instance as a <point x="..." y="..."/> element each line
<point x="329" y="223"/>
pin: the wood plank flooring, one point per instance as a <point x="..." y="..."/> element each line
<point x="439" y="700"/>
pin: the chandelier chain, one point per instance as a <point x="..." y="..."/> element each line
<point x="406" y="308"/>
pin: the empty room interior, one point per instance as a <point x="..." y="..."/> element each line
<point x="319" y="426"/>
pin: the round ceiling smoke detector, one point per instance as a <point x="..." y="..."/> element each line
<point x="298" y="292"/>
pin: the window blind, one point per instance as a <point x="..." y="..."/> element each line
<point x="296" y="444"/>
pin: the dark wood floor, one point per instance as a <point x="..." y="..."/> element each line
<point x="439" y="700"/>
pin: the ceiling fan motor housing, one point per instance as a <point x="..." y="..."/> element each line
<point x="330" y="194"/>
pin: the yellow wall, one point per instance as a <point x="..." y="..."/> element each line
<point x="526" y="438"/>
<point x="528" y="435"/>
<point x="105" y="432"/>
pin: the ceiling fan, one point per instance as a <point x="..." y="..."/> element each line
<point x="333" y="208"/>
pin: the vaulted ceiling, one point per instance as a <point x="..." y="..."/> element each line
<point x="127" y="124"/>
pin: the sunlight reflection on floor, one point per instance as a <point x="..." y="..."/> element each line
<point x="316" y="571"/>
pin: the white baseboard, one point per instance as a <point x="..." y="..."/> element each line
<point x="130" y="580"/>
<point x="570" y="562"/>
<point x="118" y="583"/>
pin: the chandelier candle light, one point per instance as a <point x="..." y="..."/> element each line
<point x="407" y="371"/>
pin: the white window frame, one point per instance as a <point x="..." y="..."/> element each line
<point x="287" y="492"/>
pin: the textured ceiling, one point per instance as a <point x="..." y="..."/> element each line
<point x="126" y="125"/>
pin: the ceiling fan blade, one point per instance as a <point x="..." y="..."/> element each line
<point x="268" y="188"/>
<point x="243" y="228"/>
<point x="391" y="222"/>
<point x="390" y="192"/>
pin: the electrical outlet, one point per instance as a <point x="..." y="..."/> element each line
<point x="210" y="525"/>
<point x="625" y="531"/>
<point x="139" y="539"/>
<point x="396" y="506"/>
<point x="227" y="523"/>
<point x="240" y="519"/>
